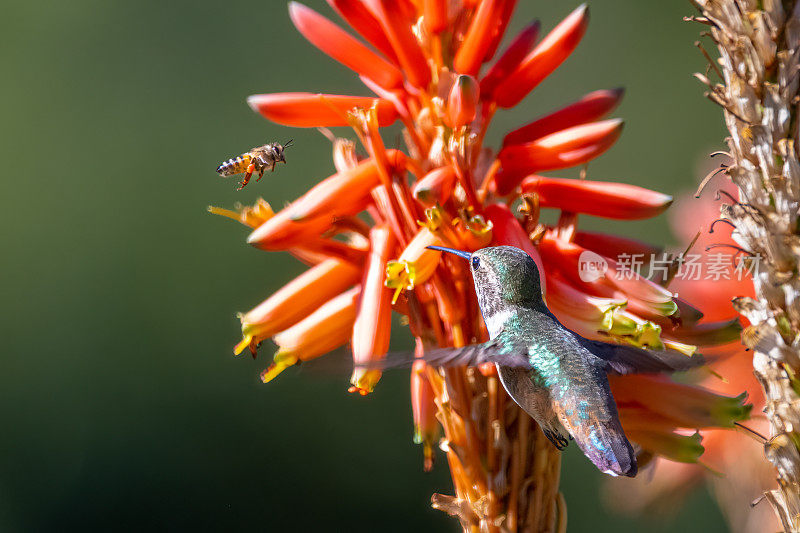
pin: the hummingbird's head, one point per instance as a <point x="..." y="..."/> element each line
<point x="502" y="275"/>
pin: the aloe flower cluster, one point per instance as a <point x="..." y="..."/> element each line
<point x="437" y="67"/>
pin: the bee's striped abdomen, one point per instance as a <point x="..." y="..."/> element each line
<point x="234" y="165"/>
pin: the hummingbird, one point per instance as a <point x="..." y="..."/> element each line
<point x="555" y="375"/>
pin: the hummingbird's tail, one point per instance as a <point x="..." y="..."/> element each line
<point x="605" y="444"/>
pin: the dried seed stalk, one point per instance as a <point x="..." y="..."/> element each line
<point x="759" y="46"/>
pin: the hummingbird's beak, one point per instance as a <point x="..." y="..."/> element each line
<point x="459" y="253"/>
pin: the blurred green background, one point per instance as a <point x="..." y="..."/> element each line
<point x="121" y="403"/>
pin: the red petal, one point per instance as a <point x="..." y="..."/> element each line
<point x="397" y="25"/>
<point x="591" y="107"/>
<point x="338" y="44"/>
<point x="478" y="39"/>
<point x="463" y="101"/>
<point x="308" y="110"/>
<point x="506" y="10"/>
<point x="435" y="13"/>
<point x="364" y="22"/>
<point x="543" y="59"/>
<point x="598" y="198"/>
<point x="344" y="192"/>
<point x="566" y="148"/>
<point x="510" y="59"/>
<point x="614" y="245"/>
<point x="373" y="325"/>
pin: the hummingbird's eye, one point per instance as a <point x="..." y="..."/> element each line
<point x="476" y="262"/>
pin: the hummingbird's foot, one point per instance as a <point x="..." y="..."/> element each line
<point x="556" y="438"/>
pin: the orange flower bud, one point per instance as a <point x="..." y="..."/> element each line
<point x="435" y="187"/>
<point x="338" y="44"/>
<point x="510" y="59"/>
<point x="345" y="192"/>
<point x="686" y="406"/>
<point x="308" y="110"/>
<point x="364" y="22"/>
<point x="373" y="324"/>
<point x="416" y="264"/>
<point x="598" y="198"/>
<point x="543" y="59"/>
<point x="423" y="409"/>
<point x="322" y="331"/>
<point x="397" y="24"/>
<point x="295" y="300"/>
<point x="474" y="232"/>
<point x="566" y="148"/>
<point x="506" y="10"/>
<point x="281" y="232"/>
<point x="591" y="107"/>
<point x="463" y="101"/>
<point x="478" y="39"/>
<point x="435" y="15"/>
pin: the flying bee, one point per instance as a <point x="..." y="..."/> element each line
<point x="258" y="159"/>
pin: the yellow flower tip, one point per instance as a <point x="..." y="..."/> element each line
<point x="400" y="275"/>
<point x="281" y="362"/>
<point x="354" y="389"/>
<point x="244" y="343"/>
<point x="214" y="210"/>
<point x="650" y="336"/>
<point x="427" y="440"/>
<point x="686" y="349"/>
<point x="427" y="450"/>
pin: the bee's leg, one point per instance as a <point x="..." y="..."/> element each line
<point x="249" y="172"/>
<point x="264" y="165"/>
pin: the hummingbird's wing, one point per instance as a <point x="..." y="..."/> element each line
<point x="504" y="350"/>
<point x="632" y="360"/>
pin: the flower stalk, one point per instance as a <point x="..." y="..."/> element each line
<point x="759" y="47"/>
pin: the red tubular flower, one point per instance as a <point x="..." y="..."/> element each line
<point x="364" y="22"/>
<point x="435" y="15"/>
<point x="543" y="59"/>
<point x="281" y="232"/>
<point x="335" y="42"/>
<point x="435" y="187"/>
<point x="395" y="22"/>
<point x="463" y="101"/>
<point x="423" y="409"/>
<point x="567" y="148"/>
<point x="510" y="59"/>
<point x="345" y="192"/>
<point x="295" y="301"/>
<point x="373" y="324"/>
<point x="478" y="39"/>
<point x="324" y="330"/>
<point x="597" y="198"/>
<point x="591" y="107"/>
<point x="308" y="110"/>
